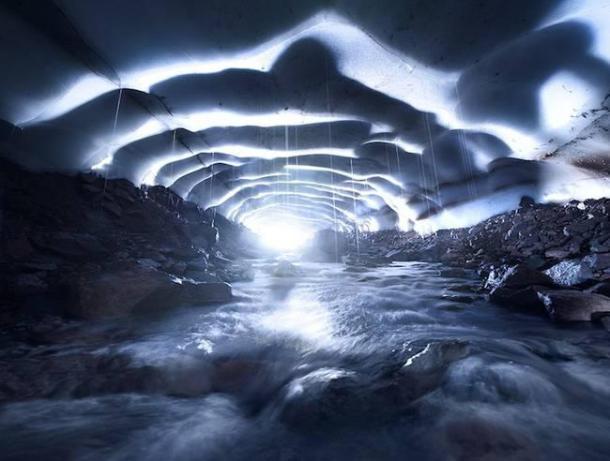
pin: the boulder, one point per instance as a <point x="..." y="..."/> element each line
<point x="136" y="289"/>
<point x="574" y="306"/>
<point x="525" y="298"/>
<point x="518" y="276"/>
<point x="516" y="287"/>
<point x="286" y="269"/>
<point x="192" y="294"/>
<point x="570" y="273"/>
<point x="602" y="288"/>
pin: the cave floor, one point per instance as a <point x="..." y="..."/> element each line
<point x="395" y="362"/>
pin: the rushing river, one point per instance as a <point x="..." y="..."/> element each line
<point x="398" y="362"/>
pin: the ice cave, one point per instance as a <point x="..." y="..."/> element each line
<point x="295" y="230"/>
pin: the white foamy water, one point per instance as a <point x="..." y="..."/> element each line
<point x="397" y="362"/>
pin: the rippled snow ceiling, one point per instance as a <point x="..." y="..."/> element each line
<point x="410" y="113"/>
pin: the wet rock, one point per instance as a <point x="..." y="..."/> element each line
<point x="194" y="294"/>
<point x="199" y="276"/>
<point x="474" y="438"/>
<point x="602" y="288"/>
<point x="458" y="298"/>
<point x="435" y="357"/>
<point x="112" y="294"/>
<point x="574" y="306"/>
<point x="330" y="396"/>
<point x="518" y="276"/>
<point x="286" y="269"/>
<point x="135" y="290"/>
<point x="516" y="287"/>
<point x="526" y="298"/>
<point x="74" y="375"/>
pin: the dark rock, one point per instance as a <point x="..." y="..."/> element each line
<point x="113" y="208"/>
<point x="574" y="306"/>
<point x="71" y="245"/>
<point x="526" y="298"/>
<point x="78" y="231"/>
<point x="200" y="276"/>
<point x="602" y="288"/>
<point x="518" y="276"/>
<point x="28" y="284"/>
<point x="476" y="438"/>
<point x="325" y="397"/>
<point x="18" y="247"/>
<point x="135" y="290"/>
<point x="149" y="263"/>
<point x="526" y="202"/>
<point x="557" y="253"/>
<point x="192" y="294"/>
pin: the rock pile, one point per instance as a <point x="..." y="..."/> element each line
<point x="89" y="247"/>
<point x="553" y="258"/>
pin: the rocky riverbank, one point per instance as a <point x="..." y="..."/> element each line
<point x="86" y="247"/>
<point x="552" y="258"/>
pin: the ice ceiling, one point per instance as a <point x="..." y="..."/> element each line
<point x="407" y="113"/>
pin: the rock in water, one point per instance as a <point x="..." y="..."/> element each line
<point x="574" y="306"/>
<point x="517" y="286"/>
<point x="137" y="289"/>
<point x="286" y="269"/>
<point x="518" y="276"/>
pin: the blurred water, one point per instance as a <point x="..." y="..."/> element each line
<point x="399" y="362"/>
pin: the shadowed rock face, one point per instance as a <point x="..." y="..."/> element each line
<point x="430" y="114"/>
<point x="91" y="248"/>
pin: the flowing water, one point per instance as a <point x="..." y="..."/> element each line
<point x="399" y="362"/>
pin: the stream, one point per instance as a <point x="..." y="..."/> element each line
<point x="407" y="361"/>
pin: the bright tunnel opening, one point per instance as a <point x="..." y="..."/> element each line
<point x="282" y="236"/>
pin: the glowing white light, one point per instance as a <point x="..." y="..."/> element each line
<point x="321" y="198"/>
<point x="270" y="154"/>
<point x="342" y="192"/>
<point x="305" y="319"/>
<point x="202" y="120"/>
<point x="402" y="143"/>
<point x="251" y="216"/>
<point x="114" y="143"/>
<point x="563" y="98"/>
<point x="84" y="90"/>
<point x="148" y="178"/>
<point x="104" y="163"/>
<point x="281" y="236"/>
<point x="360" y="177"/>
